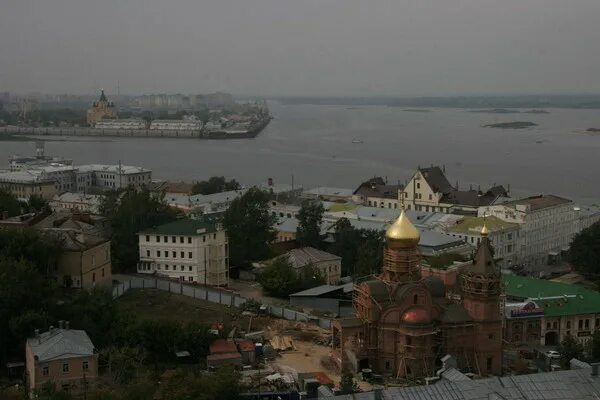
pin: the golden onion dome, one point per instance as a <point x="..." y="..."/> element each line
<point x="484" y="230"/>
<point x="402" y="233"/>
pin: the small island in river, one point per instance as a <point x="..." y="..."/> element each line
<point x="416" y="110"/>
<point x="496" y="111"/>
<point x="511" y="125"/>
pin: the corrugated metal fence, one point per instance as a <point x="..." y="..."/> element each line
<point x="214" y="296"/>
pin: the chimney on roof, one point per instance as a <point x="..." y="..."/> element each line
<point x="67" y="324"/>
<point x="60" y="324"/>
<point x="51" y="330"/>
<point x="595" y="367"/>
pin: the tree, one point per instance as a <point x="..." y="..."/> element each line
<point x="347" y="242"/>
<point x="347" y="384"/>
<point x="129" y="213"/>
<point x="309" y="277"/>
<point x="279" y="278"/>
<point x="594" y="351"/>
<point x="369" y="257"/>
<point x="220" y="385"/>
<point x="249" y="226"/>
<point x="569" y="348"/>
<point x="310" y="218"/>
<point x="36" y="203"/>
<point x="215" y="184"/>
<point x="584" y="253"/>
<point x="22" y="290"/>
<point x="9" y="204"/>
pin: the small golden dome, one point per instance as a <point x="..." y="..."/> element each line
<point x="402" y="233"/>
<point x="484" y="230"/>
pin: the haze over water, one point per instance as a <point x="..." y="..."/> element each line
<point x="314" y="143"/>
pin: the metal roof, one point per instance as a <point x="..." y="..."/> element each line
<point x="61" y="343"/>
<point x="557" y="385"/>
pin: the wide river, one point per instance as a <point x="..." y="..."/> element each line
<point x="314" y="144"/>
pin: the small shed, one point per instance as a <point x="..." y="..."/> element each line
<point x="248" y="351"/>
<point x="219" y="360"/>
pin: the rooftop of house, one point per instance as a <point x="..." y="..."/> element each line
<point x="184" y="227"/>
<point x="73" y="239"/>
<point x="475" y="198"/>
<point x="24" y="176"/>
<point x="287" y="225"/>
<point x="324" y="290"/>
<point x="115" y="168"/>
<point x="557" y="299"/>
<point x="220" y="346"/>
<point x="576" y="384"/>
<point x="539" y="202"/>
<point x="70" y="197"/>
<point x="329" y="192"/>
<point x="473" y="225"/>
<point x="221" y="197"/>
<point x="58" y="344"/>
<point x="436" y="179"/>
<point x="306" y="255"/>
<point x="377" y="187"/>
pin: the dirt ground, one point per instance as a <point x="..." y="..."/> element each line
<point x="156" y="304"/>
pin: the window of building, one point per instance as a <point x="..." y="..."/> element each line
<point x="190" y="268"/>
<point x="204" y="238"/>
<point x="158" y="239"/>
<point x="189" y="239"/>
<point x="180" y="239"/>
<point x="93" y="277"/>
<point x="418" y="185"/>
<point x="547" y="325"/>
<point x="167" y="267"/>
<point x="568" y="324"/>
<point x="173" y="239"/>
<point x="189" y="254"/>
<point x="580" y="324"/>
<point x="45" y="371"/>
<point x="147" y="253"/>
<point x="214" y="235"/>
<point x="182" y="254"/>
<point x="157" y="253"/>
<point x="166" y="239"/>
<point x="490" y="361"/>
<point x="182" y="278"/>
<point x="191" y="279"/>
<point x="430" y="197"/>
<point x="387" y="365"/>
<point x="416" y="299"/>
<point x="174" y="254"/>
<point x="102" y="272"/>
<point x="157" y="266"/>
<point x="182" y="268"/>
<point x="85" y="366"/>
<point x="147" y="238"/>
<point x="491" y="336"/>
<point x="65" y="367"/>
<point x="554" y="325"/>
<point x="587" y="324"/>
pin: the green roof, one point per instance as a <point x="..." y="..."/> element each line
<point x="473" y="225"/>
<point x="185" y="227"/>
<point x="566" y="299"/>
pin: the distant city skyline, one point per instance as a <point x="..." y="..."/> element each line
<point x="309" y="48"/>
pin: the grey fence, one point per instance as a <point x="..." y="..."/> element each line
<point x="214" y="296"/>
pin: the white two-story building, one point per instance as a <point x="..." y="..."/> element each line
<point x="190" y="250"/>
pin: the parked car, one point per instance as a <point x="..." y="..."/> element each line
<point x="552" y="354"/>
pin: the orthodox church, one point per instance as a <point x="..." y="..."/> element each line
<point x="404" y="324"/>
<point x="101" y="109"/>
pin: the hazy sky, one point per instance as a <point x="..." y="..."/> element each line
<point x="301" y="47"/>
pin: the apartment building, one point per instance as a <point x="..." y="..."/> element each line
<point x="190" y="250"/>
<point x="547" y="226"/>
<point x="62" y="356"/>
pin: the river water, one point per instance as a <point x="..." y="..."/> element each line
<point x="314" y="144"/>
